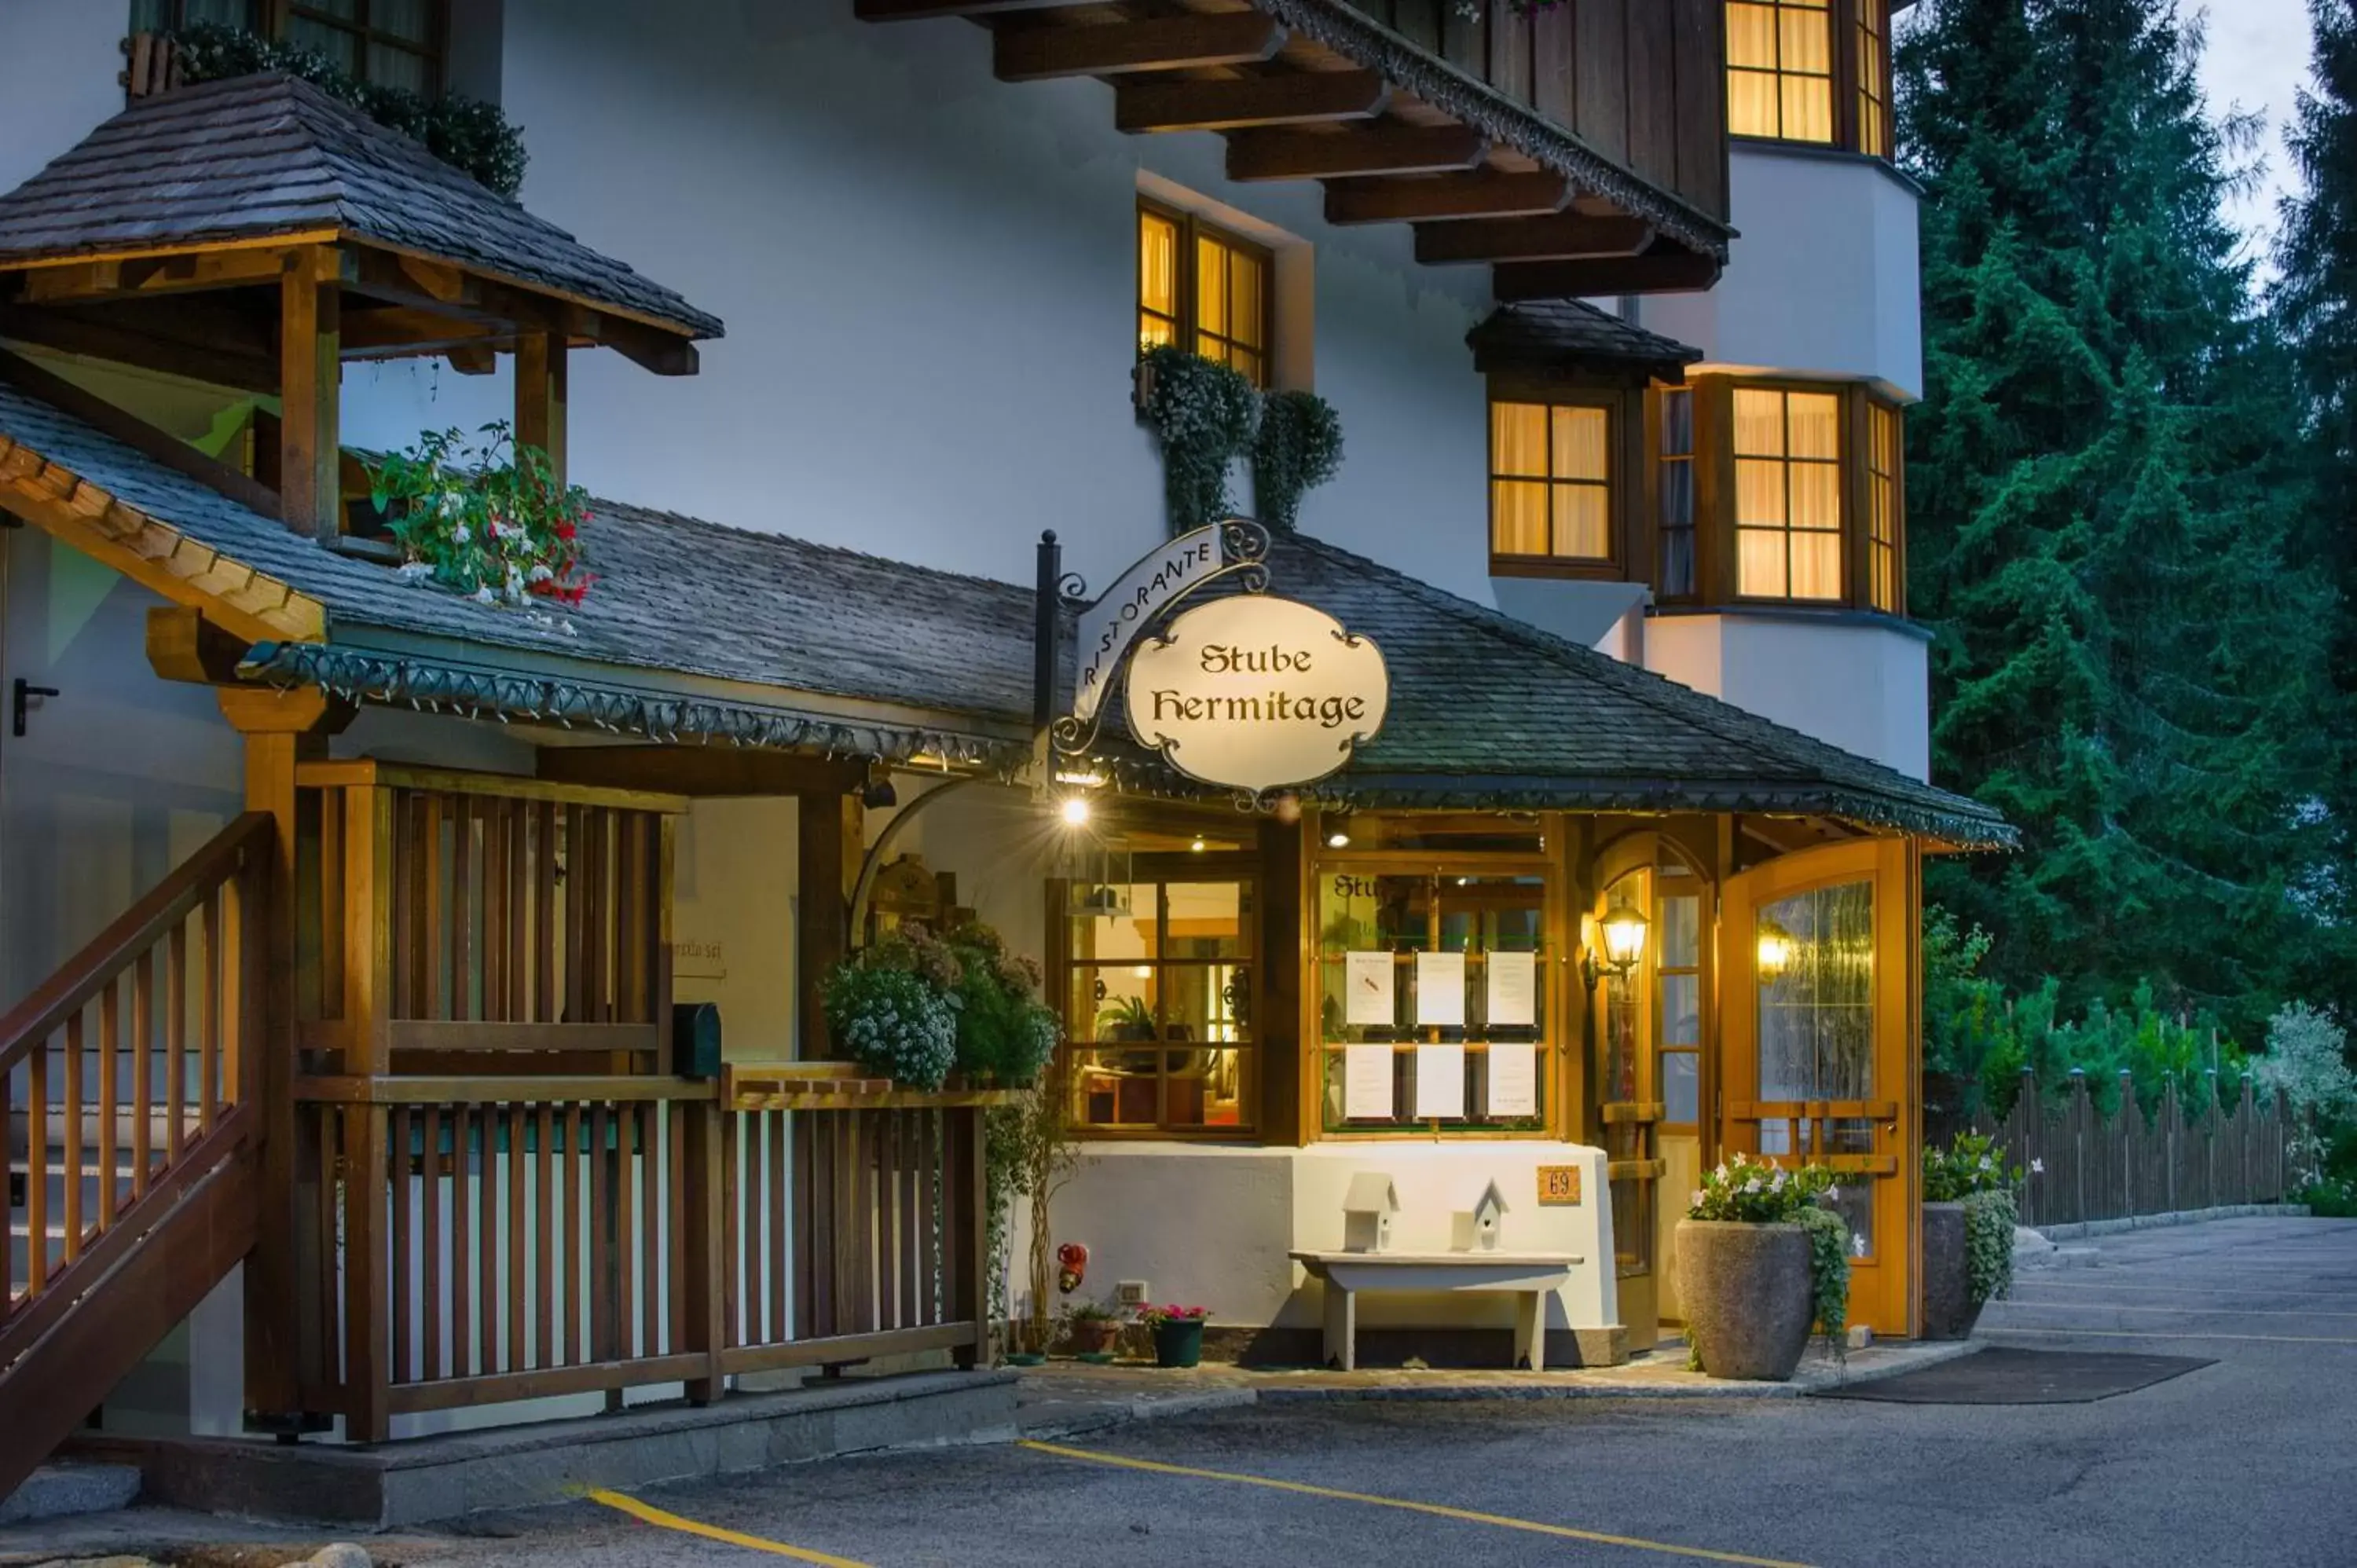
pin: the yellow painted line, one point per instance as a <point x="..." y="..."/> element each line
<point x="1439" y="1510"/>
<point x="2163" y="1334"/>
<point x="661" y="1520"/>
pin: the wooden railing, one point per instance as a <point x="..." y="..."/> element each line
<point x="2080" y="1164"/>
<point x="487" y="1239"/>
<point x="117" y="1072"/>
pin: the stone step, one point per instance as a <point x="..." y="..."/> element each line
<point x="59" y="1490"/>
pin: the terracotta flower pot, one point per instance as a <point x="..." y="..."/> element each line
<point x="1748" y="1299"/>
<point x="1949" y="1309"/>
<point x="1092" y="1336"/>
<point x="1178" y="1342"/>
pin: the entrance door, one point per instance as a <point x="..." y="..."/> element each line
<point x="1819" y="1060"/>
<point x="1627" y="1106"/>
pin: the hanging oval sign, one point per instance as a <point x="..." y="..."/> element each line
<point x="1256" y="693"/>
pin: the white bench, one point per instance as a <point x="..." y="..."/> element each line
<point x="1532" y="1276"/>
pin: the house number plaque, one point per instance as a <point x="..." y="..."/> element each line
<point x="1559" y="1184"/>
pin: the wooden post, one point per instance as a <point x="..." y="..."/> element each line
<point x="1289" y="1058"/>
<point x="310" y="380"/>
<point x="830" y="834"/>
<point x="367" y="936"/>
<point x="280" y="730"/>
<point x="703" y="1258"/>
<point x="539" y="394"/>
<point x="968" y="1239"/>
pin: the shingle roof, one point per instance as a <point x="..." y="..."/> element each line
<point x="1571" y="334"/>
<point x="1486" y="711"/>
<point x="253" y="157"/>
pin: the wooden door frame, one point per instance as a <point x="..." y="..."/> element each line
<point x="1885" y="1300"/>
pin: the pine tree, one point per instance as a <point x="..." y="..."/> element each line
<point x="2316" y="302"/>
<point x="2125" y="662"/>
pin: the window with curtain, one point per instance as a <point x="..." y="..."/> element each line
<point x="1883" y="500"/>
<point x="1873" y="137"/>
<point x="1815" y="974"/>
<point x="390" y="43"/>
<point x="1788" y="494"/>
<point x="1780" y="69"/>
<point x="1550" y="481"/>
<point x="1206" y="289"/>
<point x="1676" y="484"/>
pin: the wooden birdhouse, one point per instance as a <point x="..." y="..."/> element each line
<point x="1367" y="1210"/>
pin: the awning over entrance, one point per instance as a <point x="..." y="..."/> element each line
<point x="697" y="632"/>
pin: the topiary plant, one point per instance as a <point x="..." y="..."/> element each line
<point x="1204" y="414"/>
<point x="1299" y="447"/>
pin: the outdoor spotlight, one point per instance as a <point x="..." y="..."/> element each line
<point x="879" y="794"/>
<point x="1337" y="839"/>
<point x="1623" y="935"/>
<point x="1199" y="846"/>
<point x="1074" y="811"/>
<point x="1776" y="951"/>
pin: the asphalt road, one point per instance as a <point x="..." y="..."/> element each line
<point x="2252" y="1460"/>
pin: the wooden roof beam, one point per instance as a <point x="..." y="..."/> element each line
<point x="1295" y="98"/>
<point x="1567" y="236"/>
<point x="1484" y="194"/>
<point x="465" y="296"/>
<point x="928" y="10"/>
<point x="101" y="337"/>
<point x="81" y="283"/>
<point x="1381" y="150"/>
<point x="1663" y="269"/>
<point x="1169" y="43"/>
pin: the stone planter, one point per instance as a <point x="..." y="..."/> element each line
<point x="1745" y="1289"/>
<point x="1949" y="1309"/>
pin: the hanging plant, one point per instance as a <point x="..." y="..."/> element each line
<point x="1299" y="447"/>
<point x="891" y="1021"/>
<point x="1204" y="414"/>
<point x="490" y="522"/>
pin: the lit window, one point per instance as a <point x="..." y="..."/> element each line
<point x="1780" y="69"/>
<point x="1882" y="494"/>
<point x="1551" y="480"/>
<point x="1788" y="494"/>
<point x="1156" y="978"/>
<point x="387" y="43"/>
<point x="1874" y="78"/>
<point x="1204" y="288"/>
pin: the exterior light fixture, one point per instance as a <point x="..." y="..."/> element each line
<point x="1199" y="846"/>
<point x="1622" y="933"/>
<point x="1776" y="951"/>
<point x="1074" y="811"/>
<point x="1337" y="839"/>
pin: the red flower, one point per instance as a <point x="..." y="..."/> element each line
<point x="565" y="531"/>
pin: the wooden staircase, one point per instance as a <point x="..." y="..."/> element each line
<point x="128" y="1092"/>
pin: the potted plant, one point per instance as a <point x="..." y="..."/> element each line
<point x="1178" y="1334"/>
<point x="1125" y="1018"/>
<point x="1759" y="1260"/>
<point x="1090" y="1328"/>
<point x="892" y="1022"/>
<point x="1968" y="1220"/>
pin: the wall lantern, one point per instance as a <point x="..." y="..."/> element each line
<point x="1623" y="934"/>
<point x="1776" y="953"/>
<point x="1074" y="811"/>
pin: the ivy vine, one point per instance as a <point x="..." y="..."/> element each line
<point x="1829" y="1276"/>
<point x="1299" y="447"/>
<point x="1990" y="1217"/>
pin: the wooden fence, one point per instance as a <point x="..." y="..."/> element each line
<point x="2080" y="1166"/>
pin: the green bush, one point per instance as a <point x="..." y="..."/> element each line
<point x="891" y="1022"/>
<point x="465" y="133"/>
<point x="1990" y="1218"/>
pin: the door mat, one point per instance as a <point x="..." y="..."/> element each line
<point x="2004" y="1376"/>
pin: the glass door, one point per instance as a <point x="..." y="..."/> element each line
<point x="1819" y="1058"/>
<point x="1628" y="1107"/>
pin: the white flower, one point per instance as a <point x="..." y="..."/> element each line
<point x="484" y="595"/>
<point x="1751" y="1186"/>
<point x="1699" y="1198"/>
<point x="414" y="571"/>
<point x="459" y="535"/>
<point x="1857" y="1246"/>
<point x="2038" y="1167"/>
<point x="1833" y="1194"/>
<point x="539" y="573"/>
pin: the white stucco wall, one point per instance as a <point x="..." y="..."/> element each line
<point x="928" y="277"/>
<point x="1863" y="686"/>
<point x="1825" y="277"/>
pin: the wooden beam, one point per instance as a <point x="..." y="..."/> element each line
<point x="927" y="10"/>
<point x="136" y="434"/>
<point x="81" y="281"/>
<point x="437" y="288"/>
<point x="71" y="332"/>
<point x="829" y="841"/>
<point x="701" y="769"/>
<point x="384" y="331"/>
<point x="1297" y="98"/>
<point x="540" y="393"/>
<point x="1486" y="194"/>
<point x="310" y="382"/>
<point x="184" y="645"/>
<point x="1675" y="272"/>
<point x="1171" y="43"/>
<point x="302" y="711"/>
<point x="1566" y="237"/>
<point x="1327" y="155"/>
<point x="472" y="358"/>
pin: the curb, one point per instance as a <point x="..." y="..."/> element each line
<point x="2086" y="1227"/>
